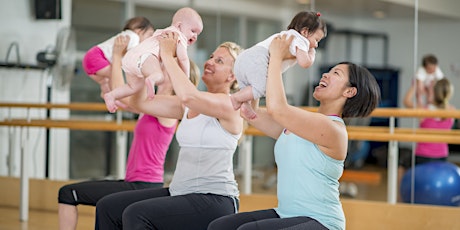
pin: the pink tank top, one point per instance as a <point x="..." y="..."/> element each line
<point x="430" y="149"/>
<point x="148" y="150"/>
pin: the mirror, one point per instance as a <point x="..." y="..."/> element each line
<point x="428" y="182"/>
<point x="387" y="36"/>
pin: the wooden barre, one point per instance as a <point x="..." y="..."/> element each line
<point x="404" y="137"/>
<point x="71" y="106"/>
<point x="378" y="112"/>
<point x="384" y="129"/>
<point x="353" y="176"/>
<point x="382" y="134"/>
<point x="419" y="113"/>
<point x="354" y="132"/>
<point x="73" y="124"/>
<point x="404" y="112"/>
<point x="360" y="176"/>
<point x="376" y="129"/>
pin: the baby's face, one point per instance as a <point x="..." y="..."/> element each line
<point x="191" y="29"/>
<point x="314" y="38"/>
<point x="430" y="68"/>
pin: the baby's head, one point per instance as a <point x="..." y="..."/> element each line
<point x="141" y="26"/>
<point x="189" y="22"/>
<point x="430" y="63"/>
<point x="309" y="25"/>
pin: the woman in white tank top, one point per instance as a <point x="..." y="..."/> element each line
<point x="203" y="187"/>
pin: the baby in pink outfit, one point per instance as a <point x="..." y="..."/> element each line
<point x="142" y="64"/>
<point x="97" y="61"/>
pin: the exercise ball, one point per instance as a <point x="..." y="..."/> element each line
<point x="436" y="183"/>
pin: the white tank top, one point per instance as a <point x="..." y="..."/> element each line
<point x="205" y="162"/>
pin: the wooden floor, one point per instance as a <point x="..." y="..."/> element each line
<point x="39" y="220"/>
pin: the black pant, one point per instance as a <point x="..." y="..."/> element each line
<point x="264" y="220"/>
<point x="89" y="192"/>
<point x="157" y="209"/>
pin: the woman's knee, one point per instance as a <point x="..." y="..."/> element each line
<point x="66" y="195"/>
<point x="135" y="216"/>
<point x="129" y="213"/>
<point x="105" y="203"/>
<point x="221" y="223"/>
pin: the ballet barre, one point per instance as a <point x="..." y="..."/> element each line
<point x="383" y="134"/>
<point x="82" y="106"/>
<point x="74" y="124"/>
<point x="378" y="112"/>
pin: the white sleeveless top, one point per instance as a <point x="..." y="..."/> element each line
<point x="205" y="162"/>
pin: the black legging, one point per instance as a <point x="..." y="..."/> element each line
<point x="264" y="220"/>
<point x="90" y="192"/>
<point x="157" y="209"/>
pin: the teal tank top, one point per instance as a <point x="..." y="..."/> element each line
<point x="308" y="181"/>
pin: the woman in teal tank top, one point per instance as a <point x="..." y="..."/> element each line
<point x="310" y="148"/>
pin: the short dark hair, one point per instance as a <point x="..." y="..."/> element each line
<point x="141" y="23"/>
<point x="429" y="59"/>
<point x="367" y="96"/>
<point x="308" y="20"/>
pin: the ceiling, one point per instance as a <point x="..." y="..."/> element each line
<point x="404" y="9"/>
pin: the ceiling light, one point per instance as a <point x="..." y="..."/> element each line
<point x="379" y="14"/>
<point x="304" y="2"/>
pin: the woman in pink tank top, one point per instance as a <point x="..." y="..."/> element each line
<point x="430" y="151"/>
<point x="145" y="165"/>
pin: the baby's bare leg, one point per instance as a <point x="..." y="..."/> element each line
<point x="133" y="85"/>
<point x="102" y="77"/>
<point x="154" y="75"/>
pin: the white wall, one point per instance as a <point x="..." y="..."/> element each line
<point x="27" y="85"/>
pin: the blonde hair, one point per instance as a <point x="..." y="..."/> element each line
<point x="443" y="91"/>
<point x="234" y="50"/>
<point x="194" y="73"/>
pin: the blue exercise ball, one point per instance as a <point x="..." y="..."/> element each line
<point x="436" y="183"/>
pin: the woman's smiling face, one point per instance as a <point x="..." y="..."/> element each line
<point x="333" y="83"/>
<point x="218" y="67"/>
